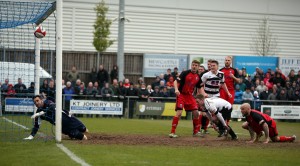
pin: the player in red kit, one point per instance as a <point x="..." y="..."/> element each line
<point x="187" y="81"/>
<point x="257" y="122"/>
<point x="231" y="76"/>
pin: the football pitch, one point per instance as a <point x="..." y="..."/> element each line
<point x="114" y="141"/>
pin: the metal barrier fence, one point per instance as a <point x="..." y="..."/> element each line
<point x="130" y="102"/>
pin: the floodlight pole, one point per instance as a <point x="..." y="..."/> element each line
<point x="120" y="56"/>
<point x="59" y="12"/>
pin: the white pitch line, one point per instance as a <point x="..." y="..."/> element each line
<point x="15" y="123"/>
<point x="61" y="146"/>
<point x="72" y="155"/>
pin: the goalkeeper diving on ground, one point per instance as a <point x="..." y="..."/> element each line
<point x="71" y="126"/>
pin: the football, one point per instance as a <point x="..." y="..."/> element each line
<point x="39" y="32"/>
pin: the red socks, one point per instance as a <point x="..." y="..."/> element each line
<point x="285" y="139"/>
<point x="196" y="124"/>
<point x="174" y="124"/>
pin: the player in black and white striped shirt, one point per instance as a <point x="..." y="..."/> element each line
<point x="212" y="81"/>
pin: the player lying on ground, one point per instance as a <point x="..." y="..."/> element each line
<point x="71" y="126"/>
<point x="218" y="107"/>
<point x="259" y="123"/>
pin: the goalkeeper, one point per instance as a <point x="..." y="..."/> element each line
<point x="71" y="126"/>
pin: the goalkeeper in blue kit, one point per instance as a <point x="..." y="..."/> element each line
<point x="71" y="126"/>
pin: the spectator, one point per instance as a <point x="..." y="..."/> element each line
<point x="68" y="91"/>
<point x="238" y="95"/>
<point x="156" y="82"/>
<point x="298" y="74"/>
<point x="164" y="92"/>
<point x="126" y="83"/>
<point x="247" y="96"/>
<point x="247" y="82"/>
<point x="96" y="86"/>
<point x="143" y="92"/>
<point x="292" y="76"/>
<point x="10" y="91"/>
<point x="278" y="79"/>
<point x="63" y="85"/>
<point x="106" y="92"/>
<point x="73" y="75"/>
<point x="170" y="83"/>
<point x="82" y="89"/>
<point x="115" y="87"/>
<point x="175" y="73"/>
<point x="77" y="86"/>
<point x="131" y="91"/>
<point x="121" y="90"/>
<point x="264" y="94"/>
<point x="256" y="101"/>
<point x="168" y="75"/>
<point x="90" y="89"/>
<point x="114" y="73"/>
<point x="31" y="88"/>
<point x="261" y="87"/>
<point x="102" y="76"/>
<point x="51" y="91"/>
<point x="20" y="87"/>
<point x="150" y="90"/>
<point x="273" y="95"/>
<point x="139" y="83"/>
<point x="44" y="87"/>
<point x="267" y="81"/>
<point x="155" y="93"/>
<point x="93" y="75"/>
<point x="161" y="77"/>
<point x="282" y="96"/>
<point x="4" y="86"/>
<point x="161" y="84"/>
<point x="296" y="96"/>
<point x="242" y="85"/>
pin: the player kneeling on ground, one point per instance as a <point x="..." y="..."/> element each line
<point x="218" y="107"/>
<point x="260" y="123"/>
<point x="71" y="126"/>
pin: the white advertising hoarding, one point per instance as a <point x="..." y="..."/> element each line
<point x="96" y="107"/>
<point x="204" y="58"/>
<point x="281" y="112"/>
<point x="286" y="64"/>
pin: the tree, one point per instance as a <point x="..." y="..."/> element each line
<point x="264" y="42"/>
<point x="102" y="24"/>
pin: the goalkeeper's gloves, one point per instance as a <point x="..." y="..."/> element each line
<point x="29" y="137"/>
<point x="37" y="114"/>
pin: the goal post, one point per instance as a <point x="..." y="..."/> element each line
<point x="24" y="56"/>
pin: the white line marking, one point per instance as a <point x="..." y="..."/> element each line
<point x="72" y="155"/>
<point x="15" y="123"/>
<point x="61" y="146"/>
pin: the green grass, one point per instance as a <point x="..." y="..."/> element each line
<point x="46" y="153"/>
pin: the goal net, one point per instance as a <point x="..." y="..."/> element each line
<point x="22" y="56"/>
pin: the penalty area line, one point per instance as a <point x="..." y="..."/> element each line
<point x="72" y="155"/>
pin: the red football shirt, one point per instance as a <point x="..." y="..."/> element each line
<point x="188" y="81"/>
<point x="228" y="80"/>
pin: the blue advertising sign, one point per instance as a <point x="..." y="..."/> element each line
<point x="19" y="105"/>
<point x="155" y="64"/>
<point x="251" y="62"/>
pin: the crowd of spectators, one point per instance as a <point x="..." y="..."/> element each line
<point x="260" y="85"/>
<point x="269" y="85"/>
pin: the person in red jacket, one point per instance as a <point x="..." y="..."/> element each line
<point x="261" y="124"/>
